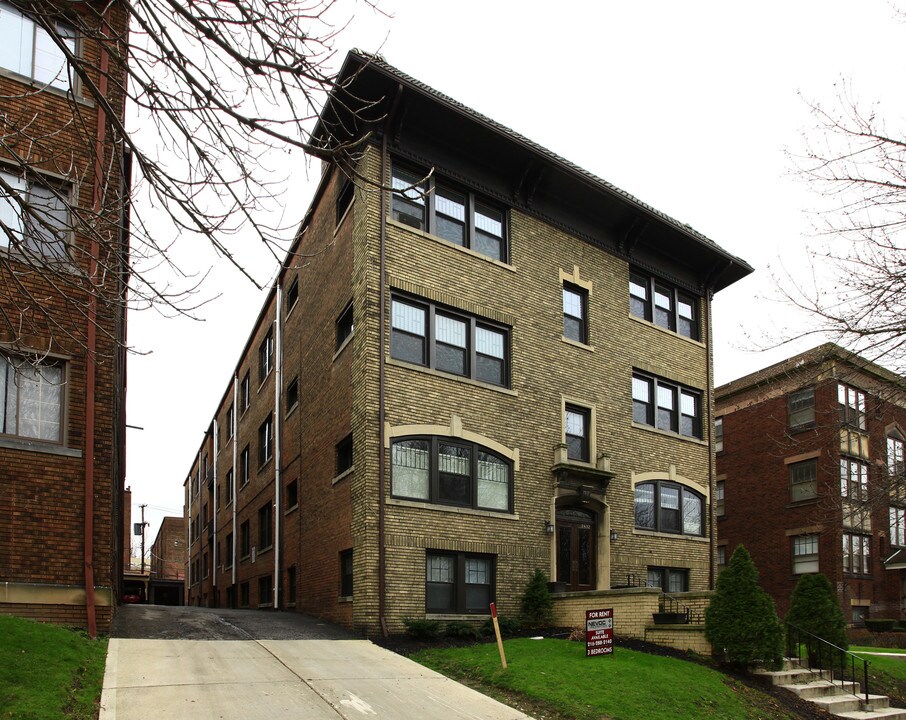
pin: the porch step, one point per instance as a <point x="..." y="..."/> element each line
<point x="885" y="713"/>
<point x="822" y="689"/>
<point x="789" y="675"/>
<point x="838" y="704"/>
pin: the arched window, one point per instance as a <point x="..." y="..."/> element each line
<point x="450" y="471"/>
<point x="669" y="507"/>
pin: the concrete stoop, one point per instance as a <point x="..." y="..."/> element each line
<point x="839" y="699"/>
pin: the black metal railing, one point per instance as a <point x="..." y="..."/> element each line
<point x="670" y="604"/>
<point x="819" y="654"/>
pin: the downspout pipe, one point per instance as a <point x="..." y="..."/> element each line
<point x="278" y="385"/>
<point x="712" y="483"/>
<point x="214" y="503"/>
<point x="91" y="340"/>
<point x="235" y="473"/>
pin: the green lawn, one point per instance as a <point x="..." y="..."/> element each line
<point x="555" y="674"/>
<point x="48" y="672"/>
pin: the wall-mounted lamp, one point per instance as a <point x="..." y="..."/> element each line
<point x="614" y="536"/>
<point x="548" y="527"/>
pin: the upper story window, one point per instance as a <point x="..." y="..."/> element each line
<point x="670" y="508"/>
<point x="265" y="526"/>
<point x="666" y="405"/>
<point x="31" y="399"/>
<point x="292" y="295"/>
<point x="37" y="217"/>
<point x="898" y="526"/>
<point x="344" y="325"/>
<point x="447" y="340"/>
<point x="343" y="455"/>
<point x="856" y="554"/>
<point x="852" y="406"/>
<point x="245" y="394"/>
<point x="664" y="305"/>
<point x="265" y="441"/>
<point x="230" y="419"/>
<point x="266" y="356"/>
<point x="804" y="480"/>
<point x="801" y="408"/>
<point x="244" y="466"/>
<point x="719" y="490"/>
<point x="895" y="457"/>
<point x="805" y="554"/>
<point x="718" y="434"/>
<point x="456" y="215"/>
<point x="575" y="311"/>
<point x="450" y="471"/>
<point x="853" y="479"/>
<point x="29" y="50"/>
<point x="344" y="199"/>
<point x="292" y="394"/>
<point x="577" y="422"/>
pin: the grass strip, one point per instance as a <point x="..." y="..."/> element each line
<point x="49" y="672"/>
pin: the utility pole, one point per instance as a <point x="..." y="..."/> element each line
<point x="144" y="524"/>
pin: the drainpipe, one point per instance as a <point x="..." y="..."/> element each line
<point x="382" y="555"/>
<point x="214" y="509"/>
<point x="91" y="340"/>
<point x="712" y="536"/>
<point x="235" y="473"/>
<point x="278" y="384"/>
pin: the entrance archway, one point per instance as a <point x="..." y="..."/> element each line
<point x="576" y="553"/>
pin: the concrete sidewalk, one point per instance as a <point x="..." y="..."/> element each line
<point x="273" y="679"/>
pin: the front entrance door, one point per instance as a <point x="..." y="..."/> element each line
<point x="576" y="555"/>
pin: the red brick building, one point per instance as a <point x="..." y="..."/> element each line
<point x="810" y="478"/>
<point x="168" y="563"/>
<point x="63" y="248"/>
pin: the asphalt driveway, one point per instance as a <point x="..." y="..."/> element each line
<point x="198" y="663"/>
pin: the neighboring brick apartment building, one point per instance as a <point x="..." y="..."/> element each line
<point x="62" y="363"/>
<point x="810" y="477"/>
<point x="502" y="367"/>
<point x="168" y="563"/>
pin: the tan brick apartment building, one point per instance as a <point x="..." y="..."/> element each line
<point x="810" y="477"/>
<point x="503" y="365"/>
<point x="62" y="377"/>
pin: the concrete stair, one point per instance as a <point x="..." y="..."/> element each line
<point x="839" y="699"/>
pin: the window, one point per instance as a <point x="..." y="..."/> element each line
<point x="344" y="325"/>
<point x="805" y="554"/>
<point x="230" y="419"/>
<point x="291" y="499"/>
<point x="458" y="583"/>
<point x="666" y="406"/>
<point x="718" y="434"/>
<point x="898" y="527"/>
<point x="721" y="558"/>
<point x="228" y="546"/>
<point x="228" y="487"/>
<point x="204" y="565"/>
<point x="31" y="399"/>
<point x="801" y="408"/>
<point x="291" y="585"/>
<point x="853" y="479"/>
<point x="29" y="50"/>
<point x="265" y="590"/>
<point x="669" y="508"/>
<point x="292" y="394"/>
<point x="245" y="540"/>
<point x="895" y="458"/>
<point x="346" y="573"/>
<point x="344" y="199"/>
<point x="41" y="226"/>
<point x="265" y="527"/>
<point x="856" y="554"/>
<point x="424" y="334"/>
<point x="575" y="308"/>
<point x="719" y="489"/>
<point x="577" y="429"/>
<point x="266" y="356"/>
<point x="458" y="216"/>
<point x="343" y="452"/>
<point x="669" y="580"/>
<point x="804" y="480"/>
<point x="852" y="406"/>
<point x="244" y="466"/>
<point x="245" y="394"/>
<point x="672" y="309"/>
<point x="451" y="472"/>
<point x="244" y="595"/>
<point x="266" y="441"/>
<point x="292" y="295"/>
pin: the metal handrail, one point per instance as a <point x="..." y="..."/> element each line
<point x="818" y="647"/>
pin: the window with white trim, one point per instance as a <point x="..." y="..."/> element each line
<point x="31" y="399"/>
<point x="853" y="479"/>
<point x="805" y="554"/>
<point x="718" y="434"/>
<point x="29" y="50"/>
<point x="719" y="489"/>
<point x="895" y="455"/>
<point x="575" y="313"/>
<point x="34" y="216"/>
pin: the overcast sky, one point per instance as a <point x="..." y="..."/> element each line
<point x="688" y="106"/>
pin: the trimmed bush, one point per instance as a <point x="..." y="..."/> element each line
<point x="879" y="624"/>
<point x="537" y="603"/>
<point x="423" y="629"/>
<point x="741" y="623"/>
<point x="462" y="630"/>
<point x="508" y="626"/>
<point x="815" y="608"/>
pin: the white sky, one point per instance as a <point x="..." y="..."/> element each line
<point x="688" y="106"/>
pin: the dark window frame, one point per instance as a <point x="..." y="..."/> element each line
<point x="265" y="527"/>
<point x="473" y="360"/>
<point x="291" y="585"/>
<point x="245" y="394"/>
<point x="667" y="575"/>
<point x="344" y="325"/>
<point x="584" y="454"/>
<point x="244" y="594"/>
<point x="661" y="512"/>
<point x="346" y="573"/>
<point x="575" y="327"/>
<point x="265" y="590"/>
<point x="266" y="441"/>
<point x="343" y="455"/>
<point x="292" y="295"/>
<point x="719" y="434"/>
<point x="422" y="189"/>
<point x="645" y="306"/>
<point x="800" y="558"/>
<point x="345" y="196"/>
<point x="244" y="467"/>
<point x="228" y="487"/>
<point x="801" y="409"/>
<point x="852" y="567"/>
<point x="228" y="555"/>
<point x="853" y="407"/>
<point x="291" y="495"/>
<point x="797" y="478"/>
<point x="459" y="589"/>
<point x="292" y="395"/>
<point x="720" y="493"/>
<point x="434" y="474"/>
<point x="652" y="413"/>
<point x="228" y="421"/>
<point x="266" y="356"/>
<point x="245" y="540"/>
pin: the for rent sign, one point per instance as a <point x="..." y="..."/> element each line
<point x="598" y="632"/>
